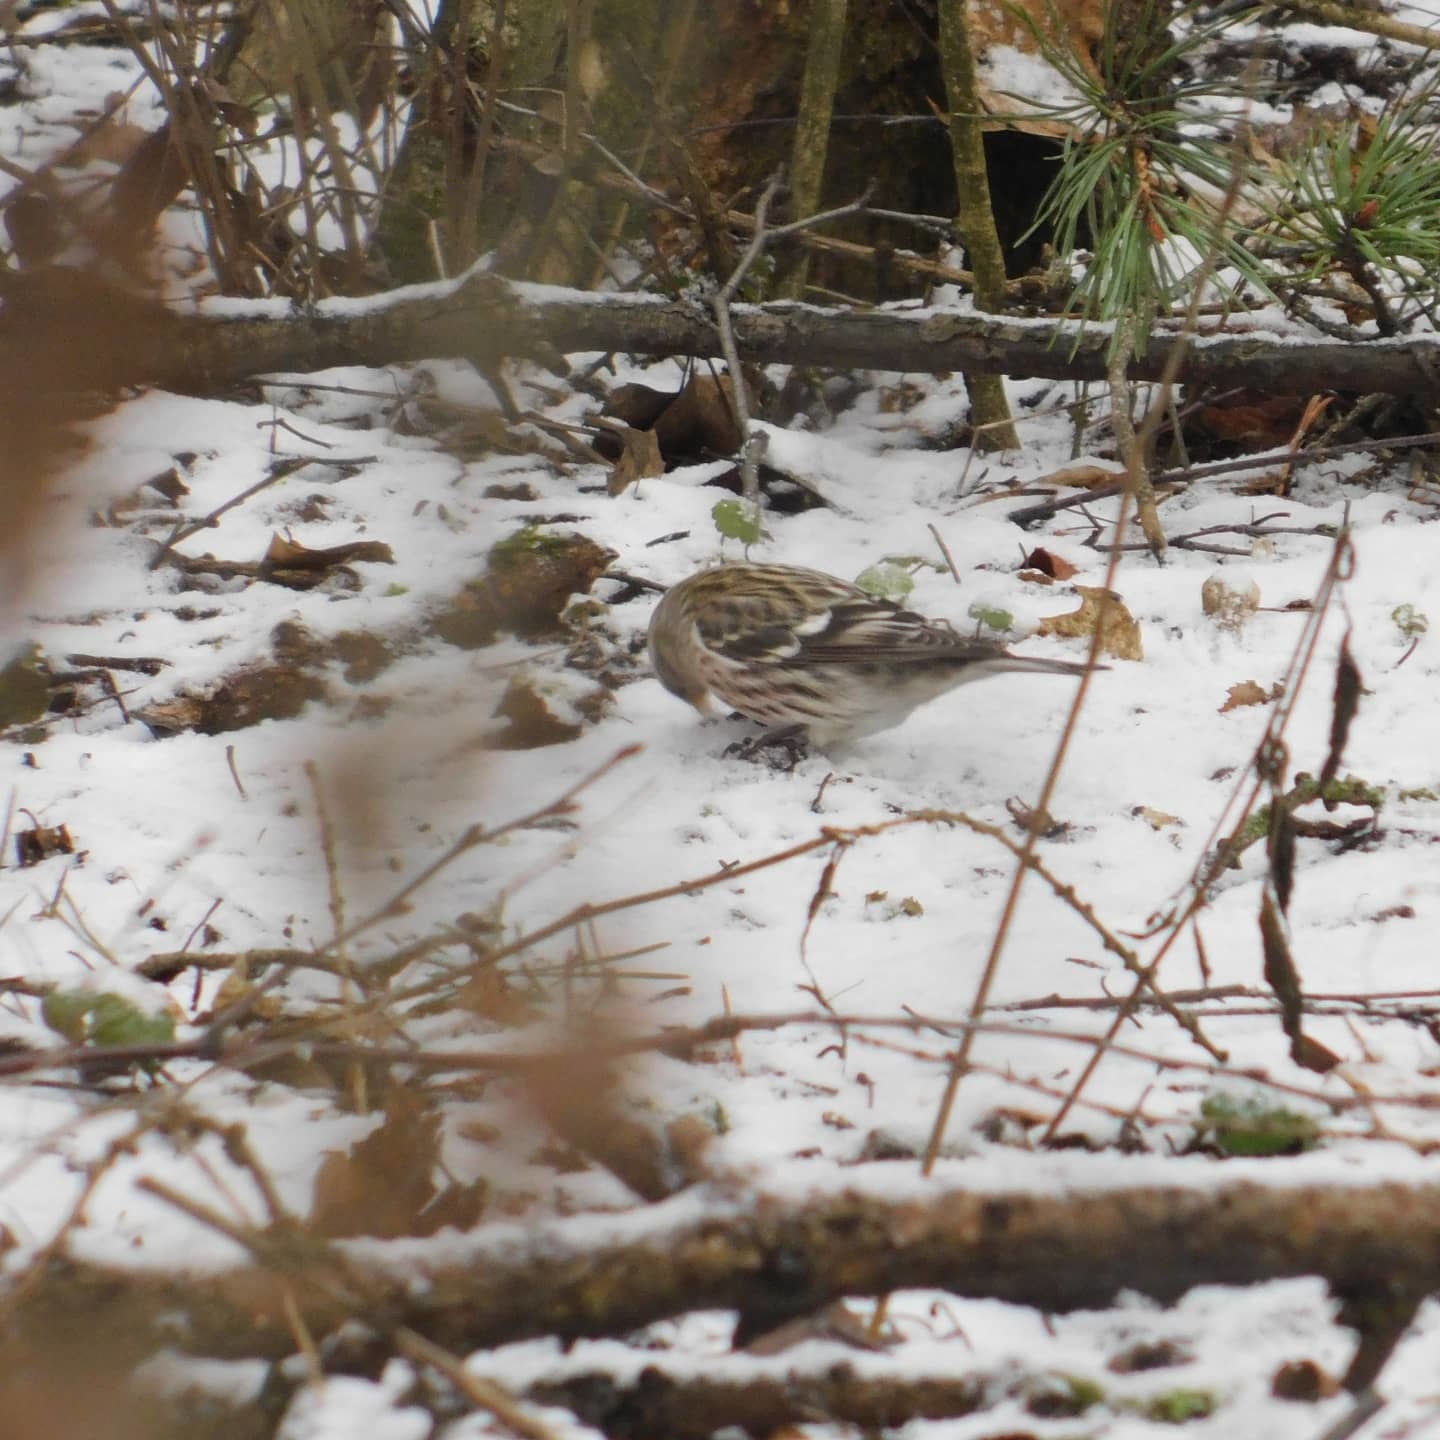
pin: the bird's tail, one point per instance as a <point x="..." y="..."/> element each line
<point x="1038" y="665"/>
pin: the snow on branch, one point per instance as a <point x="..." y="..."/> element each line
<point x="772" y="1256"/>
<point x="80" y="335"/>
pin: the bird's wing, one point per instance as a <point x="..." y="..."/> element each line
<point x="749" y="629"/>
<point x="862" y="628"/>
<point x="820" y="620"/>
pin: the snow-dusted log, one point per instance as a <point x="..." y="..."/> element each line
<point x="771" y="1257"/>
<point x="71" y="333"/>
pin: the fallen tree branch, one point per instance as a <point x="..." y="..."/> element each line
<point x="1352" y="17"/>
<point x="774" y="1256"/>
<point x="74" y="334"/>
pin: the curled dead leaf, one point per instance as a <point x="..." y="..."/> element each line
<point x="1047" y="562"/>
<point x="287" y="562"/>
<point x="1101" y="610"/>
<point x="640" y="457"/>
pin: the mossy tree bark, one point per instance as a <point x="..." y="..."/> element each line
<point x="973" y="215"/>
<point x="812" y="125"/>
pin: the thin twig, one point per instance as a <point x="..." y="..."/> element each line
<point x="751" y="447"/>
<point x="485" y="1394"/>
<point x="945" y="551"/>
<point x="184" y="530"/>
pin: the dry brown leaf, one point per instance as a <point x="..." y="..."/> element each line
<point x="1103" y="610"/>
<point x="1047" y="562"/>
<point x="489" y="994"/>
<point x="286" y="553"/>
<point x="1156" y="819"/>
<point x="1084" y="477"/>
<point x="640" y="458"/>
<point x="1247" y="692"/>
<point x="384" y="1184"/>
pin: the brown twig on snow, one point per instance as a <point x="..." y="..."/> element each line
<point x="185" y="529"/>
<point x="484" y="1393"/>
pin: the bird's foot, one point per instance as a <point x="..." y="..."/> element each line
<point x="781" y="749"/>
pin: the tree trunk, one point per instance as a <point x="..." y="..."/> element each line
<point x="812" y="126"/>
<point x="973" y="215"/>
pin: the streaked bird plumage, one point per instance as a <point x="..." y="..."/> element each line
<point x="788" y="647"/>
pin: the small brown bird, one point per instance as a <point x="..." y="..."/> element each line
<point x="803" y="651"/>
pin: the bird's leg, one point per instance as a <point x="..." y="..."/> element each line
<point x="782" y="748"/>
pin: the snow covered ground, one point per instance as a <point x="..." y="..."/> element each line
<point x="214" y="842"/>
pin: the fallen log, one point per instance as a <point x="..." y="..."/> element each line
<point x="774" y="1256"/>
<point x="65" y="331"/>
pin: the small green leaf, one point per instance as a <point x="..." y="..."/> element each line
<point x="1084" y="1391"/>
<point x="1175" y="1407"/>
<point x="1254" y="1128"/>
<point x="114" y="1020"/>
<point x="85" y="1018"/>
<point x="989" y="615"/>
<point x="915" y="562"/>
<point x="738" y="520"/>
<point x="1412" y="622"/>
<point x="886" y="581"/>
<point x="64" y="1011"/>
